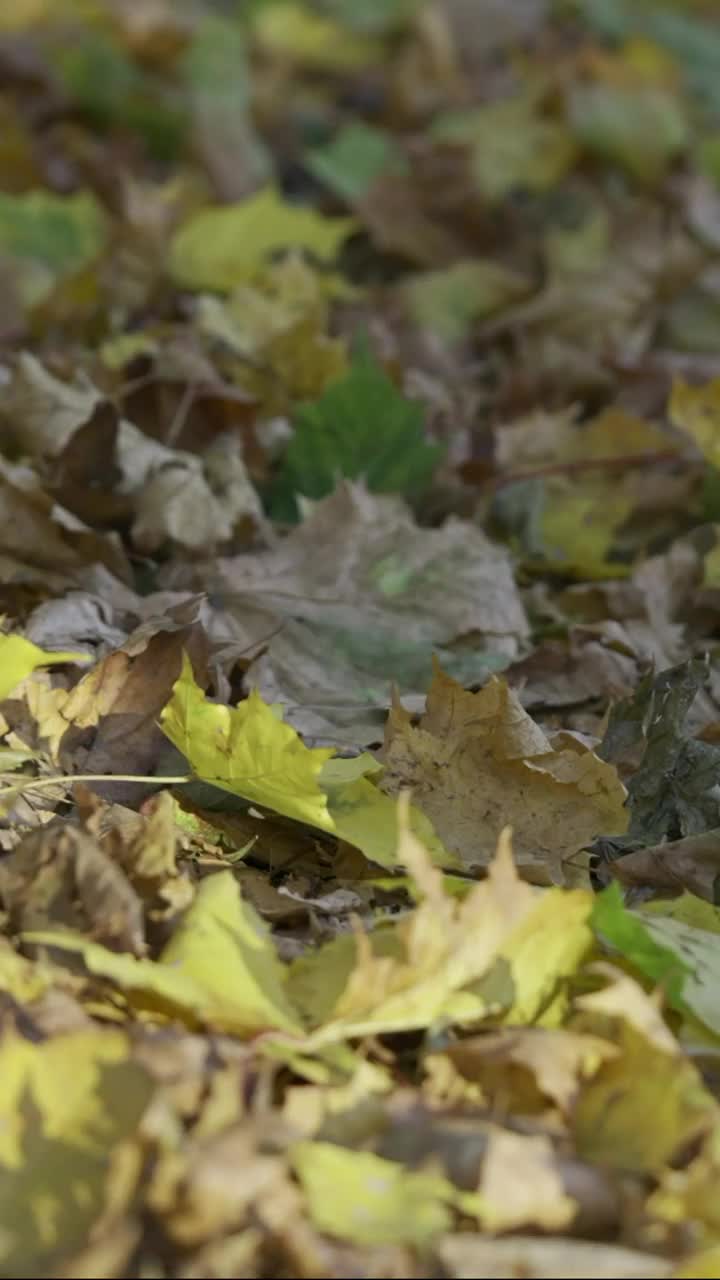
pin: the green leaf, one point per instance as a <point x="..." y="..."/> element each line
<point x="450" y="301"/>
<point x="677" y="953"/>
<point x="631" y="936"/>
<point x="112" y="89"/>
<point x="642" y="128"/>
<point x="362" y="427"/>
<point x="19" y="658"/>
<point x="355" y="157"/>
<point x="50" y="236"/>
<point x="511" y="145"/>
<point x="218" y="81"/>
<point x="221" y="247"/>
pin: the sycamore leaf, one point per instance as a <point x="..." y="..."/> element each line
<point x="61" y="1077"/>
<point x="249" y="751"/>
<point x="362" y="428"/>
<point x="219" y="966"/>
<point x="360" y="1197"/>
<point x="219" y="248"/>
<point x="19" y="658"/>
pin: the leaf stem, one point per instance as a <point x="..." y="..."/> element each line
<point x="35" y="783"/>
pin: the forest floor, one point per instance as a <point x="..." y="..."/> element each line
<point x="360" y="650"/>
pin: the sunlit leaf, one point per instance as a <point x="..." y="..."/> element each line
<point x="249" y="751"/>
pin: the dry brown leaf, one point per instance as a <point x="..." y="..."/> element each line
<point x="59" y="876"/>
<point x="477" y="762"/>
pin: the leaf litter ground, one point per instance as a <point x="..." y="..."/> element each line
<point x="359" y="683"/>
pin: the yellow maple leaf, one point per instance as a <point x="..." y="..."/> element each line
<point x="219" y="967"/>
<point x="449" y="959"/>
<point x="19" y="658"/>
<point x="360" y="1197"/>
<point x="249" y="751"/>
<point x="696" y="411"/>
<point x="221" y="247"/>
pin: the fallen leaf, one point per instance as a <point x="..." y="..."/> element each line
<point x="671" y="792"/>
<point x="433" y="967"/>
<point x="512" y="145"/>
<point x="521" y="1185"/>
<point x="249" y="751"/>
<point x="641" y="127"/>
<point x="559" y="1060"/>
<point x="49" y="236"/>
<point x="642" y="1107"/>
<point x="449" y="302"/>
<point x="338" y="436"/>
<point x="219" y="966"/>
<point x="355" y="157"/>
<point x="497" y="767"/>
<point x="219" y="248"/>
<point x="358" y="1196"/>
<point x="69" y="1105"/>
<point x="61" y="878"/>
<point x="467" y="1256"/>
<point x="20" y="657"/>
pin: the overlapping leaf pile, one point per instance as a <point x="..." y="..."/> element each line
<point x="359" y="682"/>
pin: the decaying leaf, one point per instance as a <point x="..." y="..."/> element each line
<point x="499" y="766"/>
<point x="218" y="967"/>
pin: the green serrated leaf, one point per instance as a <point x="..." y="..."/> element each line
<point x="362" y="427"/>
